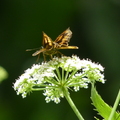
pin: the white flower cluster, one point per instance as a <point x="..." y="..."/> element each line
<point x="59" y="73"/>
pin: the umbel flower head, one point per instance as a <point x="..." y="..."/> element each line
<point x="57" y="75"/>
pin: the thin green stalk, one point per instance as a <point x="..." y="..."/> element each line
<point x="67" y="96"/>
<point x="63" y="75"/>
<point x="115" y="106"/>
<point x="58" y="73"/>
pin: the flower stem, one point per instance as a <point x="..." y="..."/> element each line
<point x="67" y="96"/>
<point x="115" y="106"/>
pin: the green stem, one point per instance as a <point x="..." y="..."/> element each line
<point x="63" y="75"/>
<point x="67" y="96"/>
<point x="58" y="73"/>
<point x="115" y="106"/>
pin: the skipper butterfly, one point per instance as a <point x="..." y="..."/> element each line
<point x="51" y="47"/>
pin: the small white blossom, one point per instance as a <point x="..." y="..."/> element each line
<point x="47" y="99"/>
<point x="58" y="74"/>
<point x="57" y="100"/>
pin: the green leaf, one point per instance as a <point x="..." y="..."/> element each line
<point x="103" y="108"/>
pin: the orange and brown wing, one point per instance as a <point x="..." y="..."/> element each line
<point x="47" y="41"/>
<point x="64" y="38"/>
<point x="47" y="44"/>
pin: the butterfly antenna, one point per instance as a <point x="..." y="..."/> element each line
<point x="32" y="49"/>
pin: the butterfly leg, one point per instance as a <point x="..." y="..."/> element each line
<point x="44" y="57"/>
<point x="60" y="53"/>
<point x="51" y="56"/>
<point x="38" y="58"/>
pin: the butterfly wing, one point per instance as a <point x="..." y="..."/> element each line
<point x="47" y="42"/>
<point x="64" y="38"/>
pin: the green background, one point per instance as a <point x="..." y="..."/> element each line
<point x="96" y="31"/>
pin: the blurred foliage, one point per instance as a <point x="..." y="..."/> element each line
<point x="3" y="74"/>
<point x="96" y="30"/>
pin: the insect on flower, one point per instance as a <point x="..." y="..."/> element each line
<point x="51" y="47"/>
